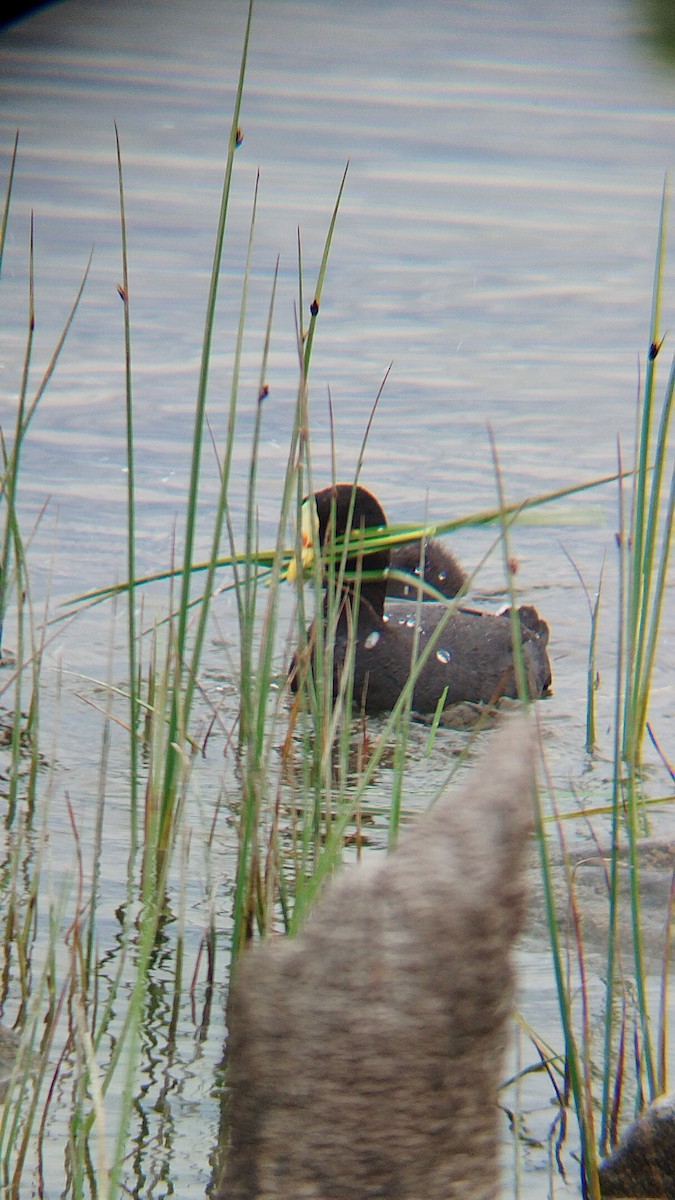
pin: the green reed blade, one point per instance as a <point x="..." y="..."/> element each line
<point x="132" y="648"/>
<point x="651" y="617"/>
<point x="200" y="416"/>
<point x="225" y="466"/>
<point x="367" y="541"/>
<point x="316" y="302"/>
<point x="205" y="365"/>
<point x="4" y="217"/>
<point x="643" y="531"/>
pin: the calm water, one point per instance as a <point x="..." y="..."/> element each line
<point x="495" y="245"/>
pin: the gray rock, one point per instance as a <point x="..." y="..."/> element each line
<point x="643" y="1163"/>
<point x="365" y="1053"/>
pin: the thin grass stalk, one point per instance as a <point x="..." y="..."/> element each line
<point x="180" y="939"/>
<point x="205" y="366"/>
<point x="592" y="677"/>
<point x="305" y="343"/>
<point x="253" y="693"/>
<point x="320" y="693"/>
<point x="173" y="742"/>
<point x="12" y="939"/>
<point x="576" y="1076"/>
<point x="303" y="467"/>
<point x="341" y="712"/>
<point x="255" y="684"/>
<point x="12" y="470"/>
<point x="331" y="565"/>
<point x="104" y="760"/>
<point x="398" y="774"/>
<point x="4" y="216"/>
<point x="619" y="1075"/>
<point x="260" y="679"/>
<point x="652" y="624"/>
<point x="245" y="589"/>
<point x="222" y="507"/>
<point x="337" y="707"/>
<point x="19" y="1111"/>
<point x="516" y="628"/>
<point x="185" y="679"/>
<point x="638" y="946"/>
<point x="200" y="412"/>
<point x="324" y="709"/>
<point x="247" y="858"/>
<point x="94" y="1084"/>
<point x="310" y="712"/>
<point x="643" y="628"/>
<point x="517" y="1121"/>
<point x="13" y="551"/>
<point x="316" y="302"/>
<point x="77" y="1154"/>
<point x="665" y="977"/>
<point x="617" y="814"/>
<point x="134" y="708"/>
<point x="17" y="701"/>
<point x="13" y="544"/>
<point x="590" y="1158"/>
<point x="372" y="542"/>
<point x="252" y="721"/>
<point x="129" y="1037"/>
<point x="29" y="408"/>
<point x="156" y="754"/>
<point x="645" y="417"/>
<point x="32" y="724"/>
<point x="249" y="819"/>
<point x="335" y="838"/>
<point x="402" y="738"/>
<point x="660" y="593"/>
<point x="435" y="722"/>
<point x="642" y="531"/>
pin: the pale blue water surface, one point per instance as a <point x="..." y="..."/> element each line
<point x="495" y="245"/>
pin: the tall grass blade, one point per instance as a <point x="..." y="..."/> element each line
<point x="316" y="302"/>
<point x="366" y="542"/>
<point x="8" y="199"/>
<point x="645" y="520"/>
<point x="172" y="764"/>
<point x="134" y="707"/>
<point x="202" y="390"/>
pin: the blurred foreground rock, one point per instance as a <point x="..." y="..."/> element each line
<point x="365" y="1053"/>
<point x="643" y="1164"/>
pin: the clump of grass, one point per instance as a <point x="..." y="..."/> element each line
<point x="23" y="664"/>
<point x="645" y="552"/>
<point x="601" y="1077"/>
<point x="60" y="1003"/>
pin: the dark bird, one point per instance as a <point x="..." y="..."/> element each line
<point x="472" y="658"/>
<point x="439" y="566"/>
